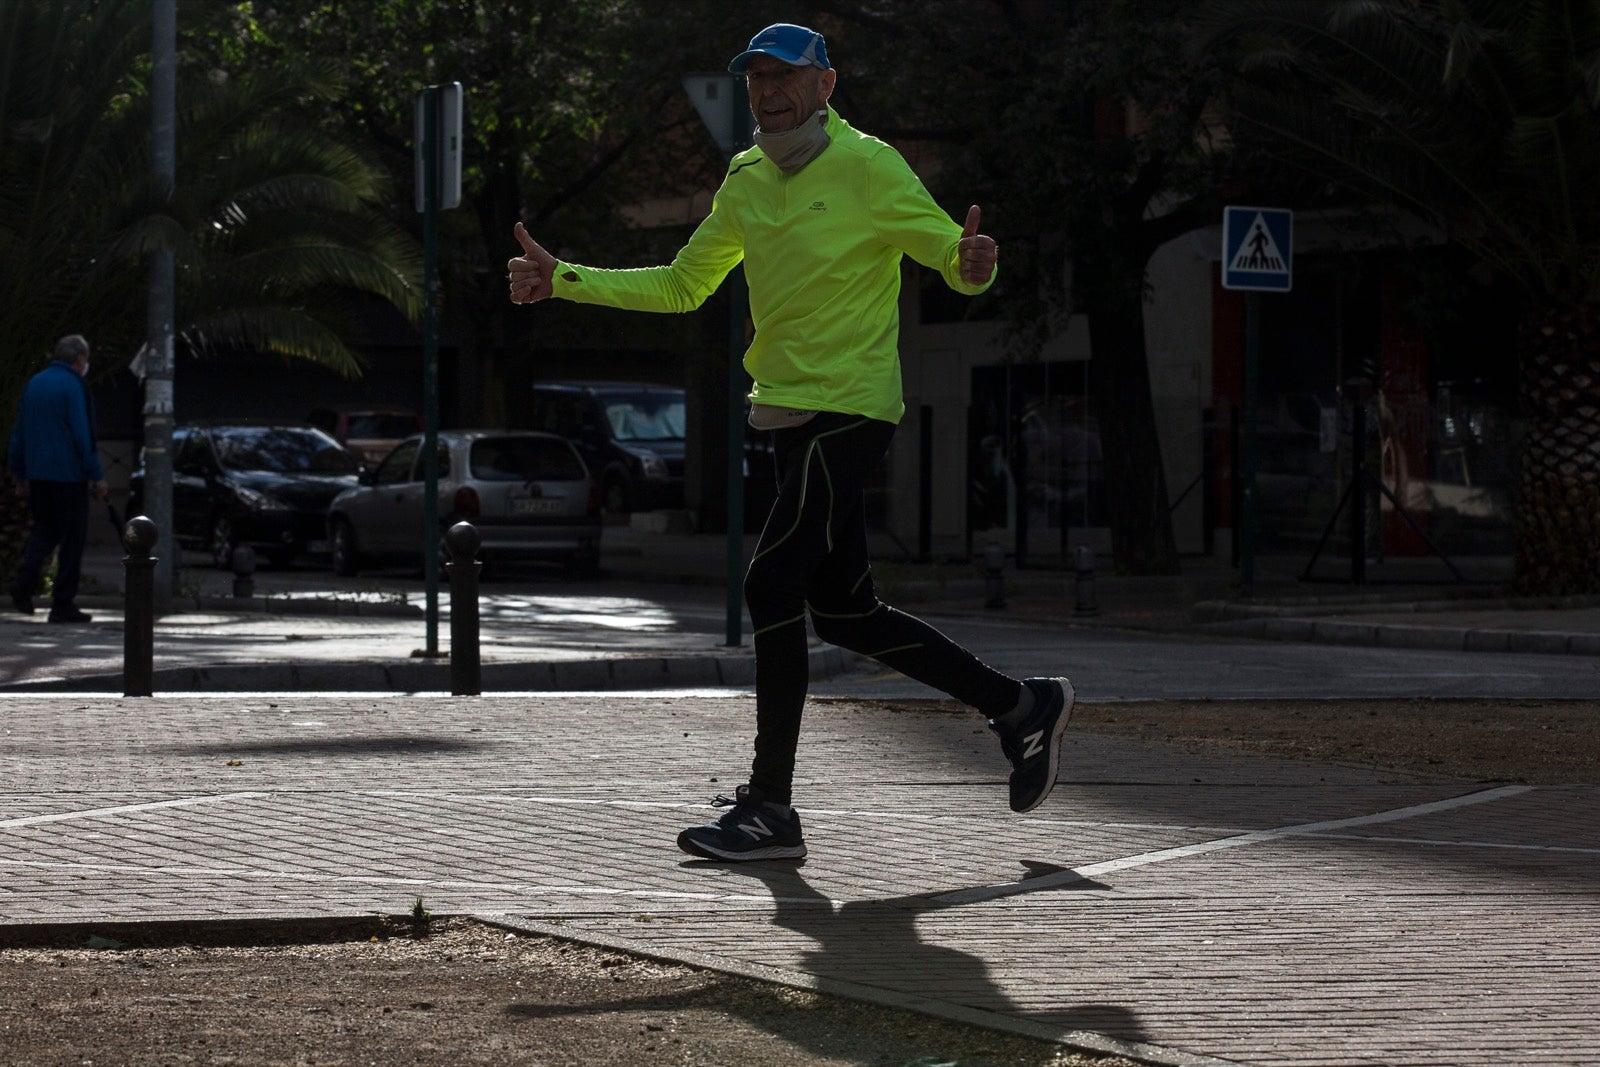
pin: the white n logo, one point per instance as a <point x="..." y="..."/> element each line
<point x="1034" y="747"/>
<point x="756" y="828"/>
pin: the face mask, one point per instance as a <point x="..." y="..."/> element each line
<point x="793" y="149"/>
<point x="84" y="373"/>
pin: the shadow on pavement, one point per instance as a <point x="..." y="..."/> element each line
<point x="876" y="943"/>
<point x="378" y="744"/>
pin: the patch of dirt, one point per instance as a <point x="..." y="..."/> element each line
<point x="1537" y="742"/>
<point x="372" y="993"/>
<point x="469" y="993"/>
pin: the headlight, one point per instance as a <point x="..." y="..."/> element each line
<point x="256" y="500"/>
<point x="651" y="465"/>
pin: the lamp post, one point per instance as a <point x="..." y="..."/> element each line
<point x="437" y="167"/>
<point x="723" y="108"/>
<point x="158" y="408"/>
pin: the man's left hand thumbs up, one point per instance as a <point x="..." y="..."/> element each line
<point x="979" y="254"/>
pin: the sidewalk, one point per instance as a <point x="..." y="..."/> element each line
<point x="1174" y="906"/>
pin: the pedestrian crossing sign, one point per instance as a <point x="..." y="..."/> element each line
<point x="1257" y="248"/>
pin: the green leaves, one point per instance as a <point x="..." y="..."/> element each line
<point x="275" y="221"/>
<point x="1481" y="115"/>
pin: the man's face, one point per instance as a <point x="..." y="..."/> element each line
<point x="781" y="96"/>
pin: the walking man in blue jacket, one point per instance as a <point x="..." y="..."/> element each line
<point x="54" y="459"/>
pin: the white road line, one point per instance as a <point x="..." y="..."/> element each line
<point x="123" y="809"/>
<point x="1093" y="870"/>
<point x="1440" y="842"/>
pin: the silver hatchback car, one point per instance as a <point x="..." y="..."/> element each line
<point x="528" y="494"/>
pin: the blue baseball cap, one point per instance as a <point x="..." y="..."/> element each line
<point x="795" y="45"/>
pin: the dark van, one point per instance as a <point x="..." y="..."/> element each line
<point x="631" y="435"/>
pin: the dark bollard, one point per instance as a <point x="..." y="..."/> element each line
<point x="1083" y="567"/>
<point x="244" y="571"/>
<point x="139" y="536"/>
<point x="465" y="674"/>
<point x="994" y="582"/>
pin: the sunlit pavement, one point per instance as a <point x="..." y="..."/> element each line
<point x="1181" y="907"/>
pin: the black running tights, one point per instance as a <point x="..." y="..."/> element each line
<point x="812" y="558"/>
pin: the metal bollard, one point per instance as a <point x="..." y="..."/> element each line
<point x="466" y="675"/>
<point x="139" y="536"/>
<point x="994" y="566"/>
<point x="244" y="571"/>
<point x="1083" y="566"/>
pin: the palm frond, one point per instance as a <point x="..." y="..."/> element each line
<point x="1479" y="114"/>
<point x="287" y="331"/>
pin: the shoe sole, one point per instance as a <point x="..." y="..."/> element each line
<point x="1069" y="696"/>
<point x="770" y="852"/>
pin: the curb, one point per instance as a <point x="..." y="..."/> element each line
<point x="274" y="605"/>
<point x="1212" y="611"/>
<point x="1402" y="635"/>
<point x="623" y="672"/>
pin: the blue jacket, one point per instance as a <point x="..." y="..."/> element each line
<point x="52" y="440"/>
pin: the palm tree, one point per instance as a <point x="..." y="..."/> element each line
<point x="1482" y="116"/>
<point x="273" y="224"/>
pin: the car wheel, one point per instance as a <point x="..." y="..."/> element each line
<point x="342" y="547"/>
<point x="222" y="542"/>
<point x="614" y="496"/>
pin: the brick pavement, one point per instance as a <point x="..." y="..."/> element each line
<point x="1184" y="908"/>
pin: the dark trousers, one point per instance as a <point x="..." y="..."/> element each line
<point x="60" y="522"/>
<point x="811" y="559"/>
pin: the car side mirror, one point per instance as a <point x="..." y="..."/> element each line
<point x="367" y="476"/>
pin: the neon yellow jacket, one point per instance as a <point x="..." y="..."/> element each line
<point x="821" y="250"/>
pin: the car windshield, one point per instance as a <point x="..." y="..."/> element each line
<point x="285" y="450"/>
<point x="654" y="416"/>
<point x="524" y="459"/>
<point x="382" y="424"/>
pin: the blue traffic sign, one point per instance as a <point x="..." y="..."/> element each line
<point x="1258" y="248"/>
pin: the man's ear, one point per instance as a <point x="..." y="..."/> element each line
<point x="825" y="84"/>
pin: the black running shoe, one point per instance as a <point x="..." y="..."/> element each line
<point x="1034" y="745"/>
<point x="750" y="831"/>
<point x="69" y="614"/>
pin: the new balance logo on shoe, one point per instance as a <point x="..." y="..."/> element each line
<point x="756" y="829"/>
<point x="750" y="831"/>
<point x="1034" y="743"/>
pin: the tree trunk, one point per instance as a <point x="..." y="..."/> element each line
<point x="1136" y="481"/>
<point x="1558" y="496"/>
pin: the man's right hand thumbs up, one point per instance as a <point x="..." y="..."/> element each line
<point x="530" y="272"/>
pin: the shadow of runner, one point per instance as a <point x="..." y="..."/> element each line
<point x="876" y="943"/>
<point x="359" y="745"/>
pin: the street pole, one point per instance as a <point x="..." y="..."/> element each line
<point x="1247" y="446"/>
<point x="738" y="301"/>
<point x="738" y="297"/>
<point x="430" y="363"/>
<point x="725" y="109"/>
<point x="158" y="407"/>
<point x="437" y="129"/>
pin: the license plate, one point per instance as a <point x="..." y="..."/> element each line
<point x="536" y="506"/>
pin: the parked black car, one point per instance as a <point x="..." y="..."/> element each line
<point x="267" y="486"/>
<point x="631" y="434"/>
